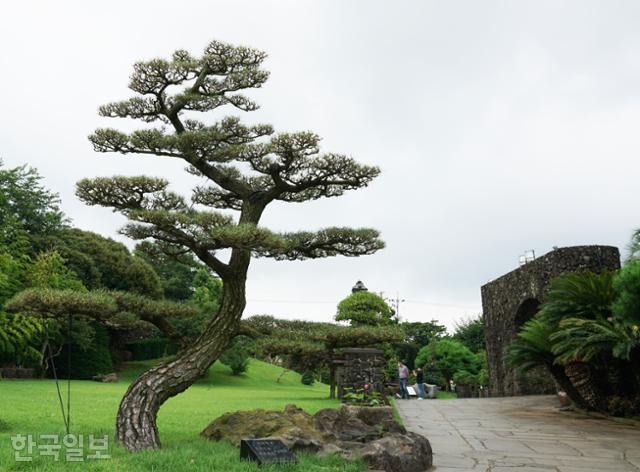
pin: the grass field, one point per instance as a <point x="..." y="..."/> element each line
<point x="31" y="407"/>
<point x="442" y="395"/>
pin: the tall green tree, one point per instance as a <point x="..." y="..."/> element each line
<point x="417" y="335"/>
<point x="423" y="332"/>
<point x="470" y="332"/>
<point x="243" y="168"/>
<point x="448" y="356"/>
<point x="26" y="205"/>
<point x="205" y="299"/>
<point x="177" y="272"/>
<point x="634" y="246"/>
<point x="102" y="263"/>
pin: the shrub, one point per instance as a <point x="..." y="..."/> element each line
<point x="236" y="357"/>
<point x="307" y="378"/>
<point x="463" y="377"/>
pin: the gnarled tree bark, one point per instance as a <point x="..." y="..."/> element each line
<point x="136" y="426"/>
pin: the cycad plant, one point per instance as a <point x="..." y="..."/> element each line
<point x="585" y="296"/>
<point x="586" y="339"/>
<point x="532" y="348"/>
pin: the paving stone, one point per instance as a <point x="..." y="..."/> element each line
<point x="520" y="434"/>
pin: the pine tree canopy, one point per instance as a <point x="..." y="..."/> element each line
<point x="243" y="168"/>
<point x="112" y="308"/>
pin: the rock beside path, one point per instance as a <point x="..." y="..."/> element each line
<point x="367" y="433"/>
<point x="397" y="452"/>
<point x="293" y="425"/>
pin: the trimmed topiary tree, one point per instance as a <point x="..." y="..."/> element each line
<point x="365" y="308"/>
<point x="243" y="169"/>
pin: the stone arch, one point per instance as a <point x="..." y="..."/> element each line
<point x="514" y="298"/>
<point x="527" y="310"/>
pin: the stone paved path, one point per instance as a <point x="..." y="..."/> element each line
<point x="520" y="434"/>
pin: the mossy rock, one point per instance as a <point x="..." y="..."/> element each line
<point x="291" y="425"/>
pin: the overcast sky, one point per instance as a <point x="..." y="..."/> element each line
<point x="500" y="126"/>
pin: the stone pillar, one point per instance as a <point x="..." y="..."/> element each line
<point x="359" y="366"/>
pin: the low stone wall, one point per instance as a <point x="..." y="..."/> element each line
<point x="17" y="373"/>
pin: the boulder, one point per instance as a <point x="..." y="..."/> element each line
<point x="380" y="417"/>
<point x="365" y="433"/>
<point x="343" y="426"/>
<point x="17" y="373"/>
<point x="396" y="452"/>
<point x="293" y="425"/>
<point x="108" y="378"/>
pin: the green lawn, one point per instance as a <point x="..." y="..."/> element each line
<point x="443" y="395"/>
<point x="31" y="407"/>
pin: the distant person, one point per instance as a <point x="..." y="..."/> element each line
<point x="420" y="382"/>
<point x="403" y="375"/>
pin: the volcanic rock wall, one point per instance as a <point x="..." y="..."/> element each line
<point x="511" y="300"/>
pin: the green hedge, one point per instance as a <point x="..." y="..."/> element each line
<point x="151" y="349"/>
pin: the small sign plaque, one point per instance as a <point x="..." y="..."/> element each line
<point x="266" y="451"/>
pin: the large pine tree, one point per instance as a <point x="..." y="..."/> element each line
<point x="245" y="168"/>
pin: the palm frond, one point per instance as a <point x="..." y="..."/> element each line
<point x="531" y="347"/>
<point x="580" y="339"/>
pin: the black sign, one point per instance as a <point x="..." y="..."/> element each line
<point x="266" y="451"/>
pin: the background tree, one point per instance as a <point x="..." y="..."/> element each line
<point x="365" y="308"/>
<point x="205" y="299"/>
<point x="241" y="169"/>
<point x="627" y="285"/>
<point x="634" y="246"/>
<point x="423" y="332"/>
<point x="102" y="263"/>
<point x="27" y="211"/>
<point x="417" y="335"/>
<point x="26" y="206"/>
<point x="446" y="357"/>
<point x="470" y="332"/>
<point x="177" y="272"/>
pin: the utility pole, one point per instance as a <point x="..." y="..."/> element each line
<point x="395" y="304"/>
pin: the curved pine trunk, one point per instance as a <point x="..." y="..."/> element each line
<point x="136" y="426"/>
<point x="582" y="379"/>
<point x="559" y="375"/>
